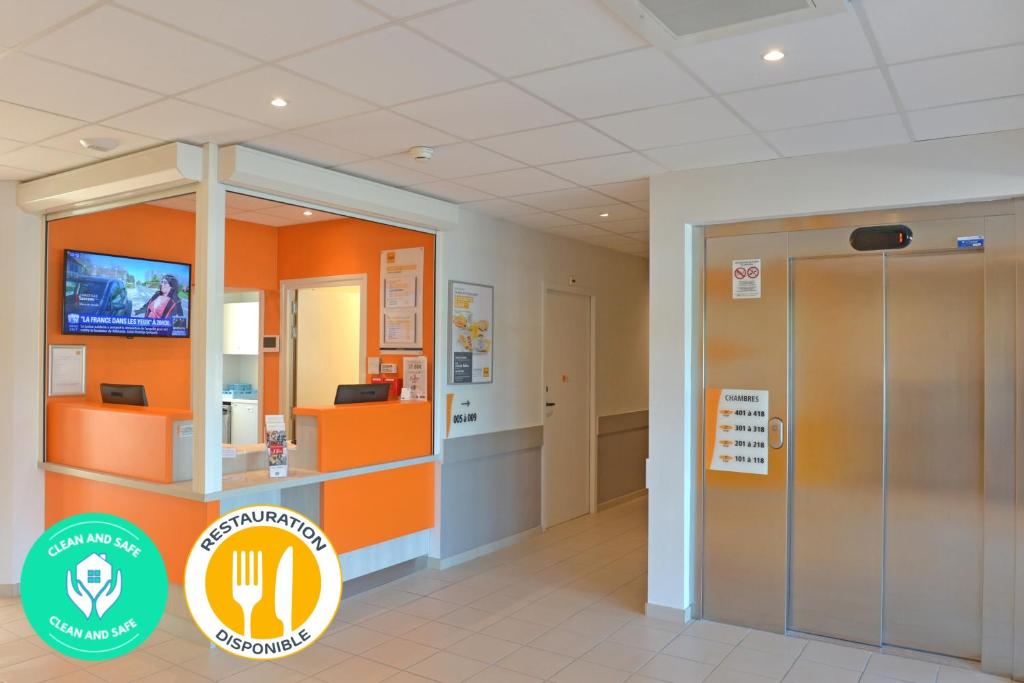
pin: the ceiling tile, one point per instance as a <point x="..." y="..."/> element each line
<point x="575" y="231"/>
<point x="297" y="214"/>
<point x="645" y="205"/>
<point x="8" y="145"/>
<point x="616" y="212"/>
<point x="832" y="98"/>
<point x="968" y="119"/>
<point x="184" y="202"/>
<point x="249" y="94"/>
<point x="43" y="159"/>
<point x="10" y="173"/>
<point x="630" y="191"/>
<point x="673" y="124"/>
<point x="724" y="152"/>
<point x="540" y="221"/>
<point x="960" y="78"/>
<point x="613" y="169"/>
<point x="626" y="227"/>
<point x="914" y="29"/>
<point x="127" y="142"/>
<point x="386" y="172"/>
<point x="305" y="149"/>
<point x="456" y="161"/>
<point x="519" y="181"/>
<point x="576" y="198"/>
<point x="407" y="8"/>
<point x="377" y="133"/>
<point x="388" y="66"/>
<point x="24" y="18"/>
<point x="61" y="90"/>
<point x="488" y="110"/>
<point x="635" y="80"/>
<point x="177" y="120"/>
<point x="449" y="191"/>
<point x="30" y="125"/>
<point x="518" y="37"/>
<point x="557" y="143"/>
<point x="832" y="137"/>
<point x="828" y="45"/>
<point x="640" y="236"/>
<point x="243" y="202"/>
<point x="500" y="208"/>
<point x="263" y="219"/>
<point x="124" y="46"/>
<point x="268" y="29"/>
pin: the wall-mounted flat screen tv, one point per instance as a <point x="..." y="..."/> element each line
<point x="124" y="296"/>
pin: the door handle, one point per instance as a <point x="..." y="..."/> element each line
<point x="550" y="405"/>
<point x="776" y="432"/>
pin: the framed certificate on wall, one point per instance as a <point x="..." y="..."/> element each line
<point x="66" y="370"/>
<point x="470" y="333"/>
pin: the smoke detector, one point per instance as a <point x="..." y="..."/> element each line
<point x="420" y="153"/>
<point x="674" y="23"/>
<point x="99" y="144"/>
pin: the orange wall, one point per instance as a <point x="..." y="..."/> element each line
<point x="349" y="246"/>
<point x="173" y="524"/>
<point x="256" y="257"/>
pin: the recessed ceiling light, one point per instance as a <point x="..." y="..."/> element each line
<point x="605" y="215"/>
<point x="773" y="56"/>
<point x="279" y="102"/>
<point x="421" y="153"/>
<point x="307" y="213"/>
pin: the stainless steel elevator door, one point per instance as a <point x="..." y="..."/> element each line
<point x="838" y="437"/>
<point x="745" y="530"/>
<point x="935" y="494"/>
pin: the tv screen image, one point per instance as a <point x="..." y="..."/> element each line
<point x="125" y="296"/>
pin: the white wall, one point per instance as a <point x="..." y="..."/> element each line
<point x="21" y="305"/>
<point x="520" y="263"/>
<point x="954" y="170"/>
<point x="328" y="342"/>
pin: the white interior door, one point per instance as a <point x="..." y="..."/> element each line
<point x="328" y="342"/>
<point x="567" y="428"/>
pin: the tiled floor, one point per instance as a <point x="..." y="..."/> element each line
<point x="565" y="606"/>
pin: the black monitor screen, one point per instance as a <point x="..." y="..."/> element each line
<point x="361" y="393"/>
<point x="124" y="296"/>
<point x="124" y="394"/>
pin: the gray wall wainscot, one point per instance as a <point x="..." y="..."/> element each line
<point x="490" y="488"/>
<point x="621" y="455"/>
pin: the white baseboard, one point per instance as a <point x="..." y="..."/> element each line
<point x="624" y="498"/>
<point x="386" y="554"/>
<point x="673" y="614"/>
<point x="480" y="551"/>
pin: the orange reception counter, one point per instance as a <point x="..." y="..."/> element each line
<point x="364" y="472"/>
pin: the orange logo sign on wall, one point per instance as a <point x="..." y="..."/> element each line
<point x="263" y="582"/>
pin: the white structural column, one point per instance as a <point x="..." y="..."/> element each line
<point x="21" y="379"/>
<point x="207" y="313"/>
<point x="669" y="480"/>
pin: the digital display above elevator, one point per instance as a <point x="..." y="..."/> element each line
<point x="879" y="237"/>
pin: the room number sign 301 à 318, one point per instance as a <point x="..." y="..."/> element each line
<point x="463" y="418"/>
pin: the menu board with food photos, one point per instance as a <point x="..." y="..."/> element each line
<point x="470" y="333"/>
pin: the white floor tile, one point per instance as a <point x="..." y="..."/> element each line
<point x="697" y="649"/>
<point x="675" y="670"/>
<point x="902" y="669"/>
<point x="722" y="633"/>
<point x="836" y="655"/>
<point x="812" y="672"/>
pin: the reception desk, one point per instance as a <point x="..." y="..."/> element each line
<point x="361" y="434"/>
<point x="364" y="472"/>
<point x="153" y="444"/>
<point x="385" y="502"/>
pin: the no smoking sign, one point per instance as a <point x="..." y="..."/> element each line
<point x="746" y="279"/>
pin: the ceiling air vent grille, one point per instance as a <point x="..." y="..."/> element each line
<point x="668" y="23"/>
<point x="685" y="17"/>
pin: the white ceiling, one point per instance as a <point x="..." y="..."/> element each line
<point x="252" y="210"/>
<point x="546" y="113"/>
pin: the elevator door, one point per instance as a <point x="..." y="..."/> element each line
<point x="875" y="521"/>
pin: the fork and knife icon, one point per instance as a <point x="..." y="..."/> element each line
<point x="247" y="586"/>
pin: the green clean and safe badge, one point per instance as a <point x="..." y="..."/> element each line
<point x="94" y="587"/>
